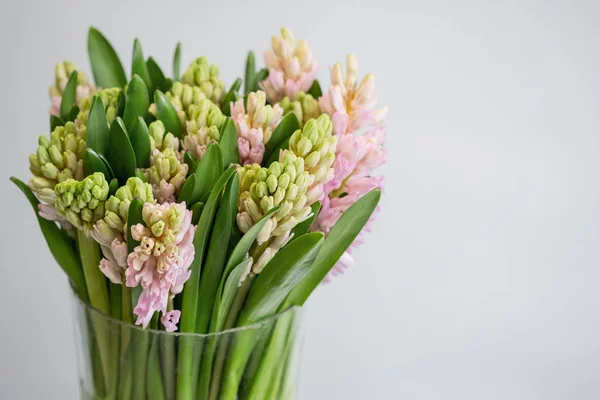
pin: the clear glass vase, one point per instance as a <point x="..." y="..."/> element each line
<point x="117" y="360"/>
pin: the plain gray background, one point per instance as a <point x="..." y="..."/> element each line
<point x="481" y="278"/>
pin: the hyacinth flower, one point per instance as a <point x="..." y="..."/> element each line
<point x="205" y="76"/>
<point x="160" y="263"/>
<point x="160" y="139"/>
<point x="82" y="202"/>
<point x="57" y="158"/>
<point x="351" y="106"/>
<point x="166" y="174"/>
<point x="305" y="107"/>
<point x="254" y="125"/>
<point x="109" y="99"/>
<point x="202" y="127"/>
<point x="110" y="231"/>
<point x="291" y="67"/>
<point x="356" y="159"/>
<point x="62" y="73"/>
<point x="317" y="146"/>
<point x="282" y="184"/>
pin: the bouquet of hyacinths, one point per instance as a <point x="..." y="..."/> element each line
<point x="178" y="204"/>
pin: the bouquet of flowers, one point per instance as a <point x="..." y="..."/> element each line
<point x="178" y="204"/>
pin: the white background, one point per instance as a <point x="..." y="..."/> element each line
<point x="481" y="279"/>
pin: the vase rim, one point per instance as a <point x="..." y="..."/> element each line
<point x="256" y="325"/>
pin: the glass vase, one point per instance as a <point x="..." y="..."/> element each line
<point x="117" y="360"/>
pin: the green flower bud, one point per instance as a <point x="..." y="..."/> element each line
<point x="206" y="77"/>
<point x="305" y="107"/>
<point x="82" y="202"/>
<point x="204" y="120"/>
<point x="117" y="206"/>
<point x="315" y="145"/>
<point x="57" y="158"/>
<point x="283" y="184"/>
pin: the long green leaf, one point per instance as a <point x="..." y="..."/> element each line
<point x="282" y="273"/>
<point x="231" y="96"/>
<point x="60" y="245"/>
<point x="120" y="154"/>
<point x="187" y="191"/>
<point x="341" y="236"/>
<point x="138" y="64"/>
<point x="229" y="144"/>
<point x="97" y="133"/>
<point x="267" y="292"/>
<point x="185" y="381"/>
<point x="157" y="76"/>
<point x="250" y="73"/>
<point x="136" y="102"/>
<point x="93" y="163"/>
<point x="140" y="141"/>
<point x="208" y="171"/>
<point x="69" y="97"/>
<point x="177" y="61"/>
<point x="167" y="114"/>
<point x="288" y="125"/>
<point x="106" y="66"/>
<point x="217" y="253"/>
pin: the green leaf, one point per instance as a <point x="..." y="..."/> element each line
<point x="120" y="154"/>
<point x="134" y="217"/>
<point x="217" y="253"/>
<point x="121" y="100"/>
<point x="189" y="160"/>
<point x="258" y="77"/>
<point x="113" y="186"/>
<point x="156" y="75"/>
<point x="176" y="61"/>
<point x="288" y="125"/>
<point x="73" y="113"/>
<point x="106" y="66"/>
<point x="305" y="225"/>
<point x="341" y="236"/>
<point x="197" y="212"/>
<point x="289" y="266"/>
<point x="167" y="114"/>
<point x="230" y="96"/>
<point x="69" y="96"/>
<point x="138" y="65"/>
<point x="190" y="292"/>
<point x="93" y="163"/>
<point x="61" y="246"/>
<point x="208" y="171"/>
<point x="136" y="102"/>
<point x="250" y="73"/>
<point x="140" y="141"/>
<point x="110" y="171"/>
<point x="229" y="144"/>
<point x="97" y="133"/>
<point x="315" y="90"/>
<point x="54" y="122"/>
<point x="277" y="151"/>
<point x="187" y="191"/>
<point x="268" y="291"/>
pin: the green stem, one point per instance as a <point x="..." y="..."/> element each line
<point x="234" y="311"/>
<point x="89" y="251"/>
<point x="115" y="337"/>
<point x="126" y="356"/>
<point x="141" y="339"/>
<point x="167" y="355"/>
<point x="154" y="384"/>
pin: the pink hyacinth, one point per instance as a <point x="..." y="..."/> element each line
<point x="254" y="126"/>
<point x="291" y="67"/>
<point x="351" y="107"/>
<point x="356" y="158"/>
<point x="160" y="263"/>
